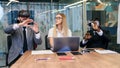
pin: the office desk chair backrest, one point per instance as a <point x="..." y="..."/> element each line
<point x="47" y="45"/>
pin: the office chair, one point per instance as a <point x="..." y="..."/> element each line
<point x="47" y="45"/>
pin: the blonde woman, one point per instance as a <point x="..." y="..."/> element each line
<point x="60" y="29"/>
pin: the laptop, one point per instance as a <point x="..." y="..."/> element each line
<point x="63" y="44"/>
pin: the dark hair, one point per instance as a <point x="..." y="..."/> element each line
<point x="96" y="19"/>
<point x="24" y="13"/>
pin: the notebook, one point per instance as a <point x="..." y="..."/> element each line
<point x="63" y="44"/>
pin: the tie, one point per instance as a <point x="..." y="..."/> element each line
<point x="25" y="40"/>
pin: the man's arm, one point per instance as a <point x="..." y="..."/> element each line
<point x="37" y="38"/>
<point x="83" y="43"/>
<point x="11" y="28"/>
<point x="86" y="39"/>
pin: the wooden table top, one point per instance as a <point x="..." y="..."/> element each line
<point x="87" y="60"/>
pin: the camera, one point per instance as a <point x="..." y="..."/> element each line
<point x="90" y="24"/>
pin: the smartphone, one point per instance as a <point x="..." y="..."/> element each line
<point x="76" y="53"/>
<point x="61" y="54"/>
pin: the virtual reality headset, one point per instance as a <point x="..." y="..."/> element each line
<point x="24" y="13"/>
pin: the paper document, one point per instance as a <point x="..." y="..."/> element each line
<point x="105" y="51"/>
<point x="42" y="52"/>
<point x="118" y="28"/>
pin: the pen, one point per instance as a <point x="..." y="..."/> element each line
<point x="43" y="59"/>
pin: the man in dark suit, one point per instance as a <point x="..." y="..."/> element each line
<point x="23" y="36"/>
<point x="95" y="37"/>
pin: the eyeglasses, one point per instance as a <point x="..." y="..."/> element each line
<point x="58" y="18"/>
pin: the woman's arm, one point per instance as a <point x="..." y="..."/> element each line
<point x="51" y="42"/>
<point x="50" y="37"/>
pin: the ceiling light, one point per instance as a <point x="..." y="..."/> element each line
<point x="99" y="1"/>
<point x="10" y="1"/>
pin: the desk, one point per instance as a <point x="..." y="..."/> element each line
<point x="87" y="60"/>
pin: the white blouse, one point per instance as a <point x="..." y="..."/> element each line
<point x="59" y="34"/>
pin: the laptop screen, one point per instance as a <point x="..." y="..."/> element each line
<point x="63" y="44"/>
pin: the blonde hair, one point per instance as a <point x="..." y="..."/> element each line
<point x="64" y="26"/>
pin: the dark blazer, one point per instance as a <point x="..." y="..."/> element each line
<point x="97" y="41"/>
<point x="17" y="41"/>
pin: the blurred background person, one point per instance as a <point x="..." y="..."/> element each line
<point x="96" y="37"/>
